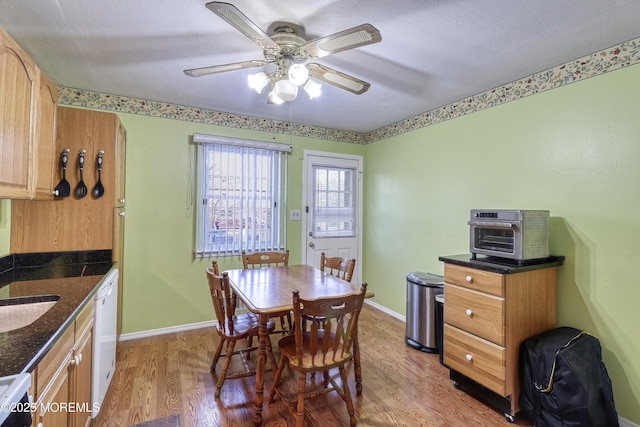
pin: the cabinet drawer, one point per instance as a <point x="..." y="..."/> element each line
<point x="475" y="312"/>
<point x="52" y="360"/>
<point x="478" y="359"/>
<point x="483" y="281"/>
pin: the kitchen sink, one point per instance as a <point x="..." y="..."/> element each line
<point x="16" y="313"/>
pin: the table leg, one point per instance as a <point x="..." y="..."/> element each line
<point x="263" y="336"/>
<point x="357" y="368"/>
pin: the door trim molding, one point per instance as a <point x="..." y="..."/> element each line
<point x="359" y="216"/>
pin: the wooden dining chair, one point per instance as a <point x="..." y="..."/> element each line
<point x="325" y="342"/>
<point x="232" y="328"/>
<point x="270" y="259"/>
<point x="343" y="268"/>
<point x="338" y="266"/>
<point x="265" y="259"/>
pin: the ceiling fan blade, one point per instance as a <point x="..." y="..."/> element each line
<point x="240" y="22"/>
<point x="361" y="35"/>
<point x="203" y="71"/>
<point x="337" y="78"/>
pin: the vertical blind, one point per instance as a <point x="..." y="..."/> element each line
<point x="243" y="186"/>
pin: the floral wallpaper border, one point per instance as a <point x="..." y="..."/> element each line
<point x="623" y="55"/>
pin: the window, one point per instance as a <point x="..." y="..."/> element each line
<point x="334" y="205"/>
<point x="242" y="195"/>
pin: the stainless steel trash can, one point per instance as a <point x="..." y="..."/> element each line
<point x="421" y="310"/>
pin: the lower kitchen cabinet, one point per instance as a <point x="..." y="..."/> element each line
<point x="487" y="315"/>
<point x="63" y="377"/>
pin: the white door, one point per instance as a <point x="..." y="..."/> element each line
<point x="332" y="208"/>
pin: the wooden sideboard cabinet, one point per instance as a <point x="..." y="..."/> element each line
<point x="487" y="315"/>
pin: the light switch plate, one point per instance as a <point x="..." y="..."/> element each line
<point x="294" y="214"/>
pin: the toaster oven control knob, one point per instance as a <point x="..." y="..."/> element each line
<point x="469" y="279"/>
<point x="469" y="312"/>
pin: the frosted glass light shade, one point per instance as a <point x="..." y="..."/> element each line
<point x="258" y="81"/>
<point x="274" y="99"/>
<point x="285" y="90"/>
<point x="298" y="74"/>
<point x="313" y="89"/>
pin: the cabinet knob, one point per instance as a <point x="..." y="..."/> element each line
<point x="469" y="312"/>
<point x="121" y="213"/>
<point x="469" y="357"/>
<point x="469" y="279"/>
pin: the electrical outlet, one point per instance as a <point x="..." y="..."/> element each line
<point x="294" y="214"/>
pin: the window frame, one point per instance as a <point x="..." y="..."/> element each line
<point x="203" y="247"/>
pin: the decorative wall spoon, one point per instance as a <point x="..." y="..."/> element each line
<point x="81" y="188"/>
<point x="98" y="189"/>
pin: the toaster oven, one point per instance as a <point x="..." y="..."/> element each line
<point x="509" y="233"/>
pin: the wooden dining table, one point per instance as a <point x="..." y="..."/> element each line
<point x="268" y="291"/>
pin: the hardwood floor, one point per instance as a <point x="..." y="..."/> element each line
<point x="159" y="376"/>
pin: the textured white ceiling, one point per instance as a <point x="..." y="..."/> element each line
<point x="432" y="53"/>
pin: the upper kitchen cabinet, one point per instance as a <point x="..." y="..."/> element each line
<point x="19" y="82"/>
<point x="78" y="222"/>
<point x="28" y="102"/>
<point x="47" y="160"/>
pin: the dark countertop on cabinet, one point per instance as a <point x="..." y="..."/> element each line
<point x="502" y="265"/>
<point x="71" y="276"/>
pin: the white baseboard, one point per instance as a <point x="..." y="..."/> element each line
<point x="386" y="310"/>
<point x="168" y="330"/>
<point x="626" y="423"/>
<point x="210" y="323"/>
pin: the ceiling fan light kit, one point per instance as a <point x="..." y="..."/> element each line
<point x="289" y="53"/>
<point x="258" y="81"/>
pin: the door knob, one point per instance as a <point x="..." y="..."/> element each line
<point x="312" y="245"/>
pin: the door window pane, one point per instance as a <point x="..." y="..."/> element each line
<point x="334" y="202"/>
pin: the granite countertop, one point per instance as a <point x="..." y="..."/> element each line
<point x="502" y="265"/>
<point x="72" y="276"/>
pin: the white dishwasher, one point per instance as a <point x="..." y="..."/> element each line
<point x="104" y="339"/>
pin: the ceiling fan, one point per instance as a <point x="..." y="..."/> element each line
<point x="286" y="48"/>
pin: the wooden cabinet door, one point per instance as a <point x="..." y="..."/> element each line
<point x="47" y="160"/>
<point x="81" y="380"/>
<point x="49" y="408"/>
<point x="19" y="81"/>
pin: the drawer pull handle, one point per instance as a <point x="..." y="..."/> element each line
<point x="469" y="279"/>
<point x="469" y="357"/>
<point x="469" y="312"/>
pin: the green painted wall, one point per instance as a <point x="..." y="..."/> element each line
<point x="573" y="150"/>
<point x="163" y="284"/>
<point x="5" y="227"/>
